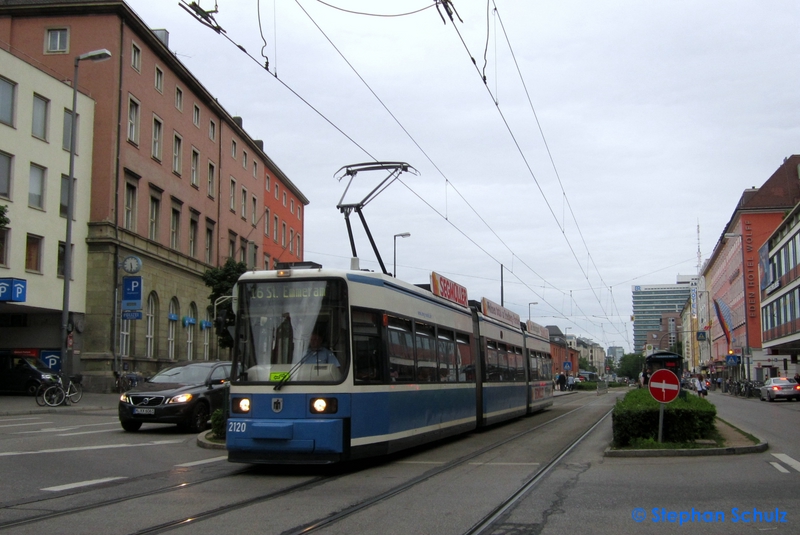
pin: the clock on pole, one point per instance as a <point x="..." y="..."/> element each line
<point x="132" y="264"/>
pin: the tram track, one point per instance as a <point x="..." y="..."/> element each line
<point x="66" y="512"/>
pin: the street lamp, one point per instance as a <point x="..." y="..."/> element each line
<point x="746" y="348"/>
<point x="402" y="235"/>
<point x="94" y="55"/>
<point x="529" y="309"/>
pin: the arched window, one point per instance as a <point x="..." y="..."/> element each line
<point x="152" y="325"/>
<point x="174" y="316"/>
<point x="190" y="329"/>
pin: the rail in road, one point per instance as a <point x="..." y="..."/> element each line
<point x="482" y="475"/>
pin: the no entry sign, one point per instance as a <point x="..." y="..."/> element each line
<point x="664" y="386"/>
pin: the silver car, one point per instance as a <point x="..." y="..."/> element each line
<point x="780" y="387"/>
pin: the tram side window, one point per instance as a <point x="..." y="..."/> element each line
<point x="447" y="356"/>
<point x="547" y="367"/>
<point x="492" y="371"/>
<point x="466" y="363"/>
<point x="367" y="359"/>
<point x="426" y="353"/>
<point x="401" y="351"/>
<point x="520" y="365"/>
<point x="534" y="363"/>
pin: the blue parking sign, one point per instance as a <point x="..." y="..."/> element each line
<point x="131" y="293"/>
<point x="14" y="290"/>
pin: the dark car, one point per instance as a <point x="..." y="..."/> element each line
<point x="186" y="394"/>
<point x="23" y="374"/>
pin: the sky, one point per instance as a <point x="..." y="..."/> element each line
<point x="589" y="147"/>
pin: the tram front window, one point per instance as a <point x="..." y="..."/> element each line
<point x="291" y="331"/>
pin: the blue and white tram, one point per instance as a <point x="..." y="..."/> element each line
<point x="332" y="365"/>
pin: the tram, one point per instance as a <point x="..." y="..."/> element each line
<point x="334" y="365"/>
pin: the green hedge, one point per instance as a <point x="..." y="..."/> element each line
<point x="686" y="419"/>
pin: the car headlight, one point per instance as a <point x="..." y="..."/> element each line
<point x="124" y="398"/>
<point x="181" y="398"/>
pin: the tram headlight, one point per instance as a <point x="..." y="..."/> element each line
<point x="240" y="405"/>
<point x="324" y="405"/>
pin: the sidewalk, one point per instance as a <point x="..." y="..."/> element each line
<point x="11" y="405"/>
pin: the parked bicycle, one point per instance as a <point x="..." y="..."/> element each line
<point x="125" y="381"/>
<point x="58" y="394"/>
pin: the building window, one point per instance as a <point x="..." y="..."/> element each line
<point x="192" y="237"/>
<point x="196" y="115"/>
<point x="179" y="98"/>
<point x="57" y="41"/>
<point x="130" y="207"/>
<point x="60" y="264"/>
<point x="297" y="246"/>
<point x="36" y="187"/>
<point x="253" y="212"/>
<point x="67" y="133"/>
<point x="174" y="228"/>
<point x="284" y="198"/>
<point x="298" y="212"/>
<point x="275" y="228"/>
<point x="243" y="251"/>
<point x="155" y="209"/>
<point x="266" y="261"/>
<point x="133" y="121"/>
<point x="3" y="247"/>
<point x="64" y="204"/>
<point x="266" y="182"/>
<point x="159" y="80"/>
<point x="152" y="322"/>
<point x="174" y="313"/>
<point x="266" y="222"/>
<point x="209" y="244"/>
<point x="212" y="171"/>
<point x="255" y="169"/>
<point x="195" y="164"/>
<point x="212" y="130"/>
<point x="291" y="206"/>
<point x="244" y="203"/>
<point x="283" y="235"/>
<point x="8" y="91"/>
<point x="125" y="338"/>
<point x="177" y="154"/>
<point x="231" y="245"/>
<point x="233" y="195"/>
<point x="291" y="240"/>
<point x="158" y="133"/>
<point x="190" y="327"/>
<point x="5" y="175"/>
<point x="33" y="253"/>
<point x="136" y="57"/>
<point x="41" y="107"/>
<point x="276" y="191"/>
<point x="233" y="149"/>
<point x="244" y="159"/>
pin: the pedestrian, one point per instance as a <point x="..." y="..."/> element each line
<point x="570" y="382"/>
<point x="700" y="385"/>
<point x="562" y="382"/>
<point x="719" y="383"/>
<point x="797" y="378"/>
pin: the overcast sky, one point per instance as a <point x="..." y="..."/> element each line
<point x="605" y="133"/>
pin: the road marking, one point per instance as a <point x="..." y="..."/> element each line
<point x="787" y="460"/>
<point x="67" y="428"/>
<point x="88" y="432"/>
<point x="420" y="462"/>
<point x="492" y="463"/>
<point x="19" y="419"/>
<point x="32" y="423"/>
<point x="82" y="484"/>
<point x="89" y="448"/>
<point x="204" y="461"/>
<point x="779" y="467"/>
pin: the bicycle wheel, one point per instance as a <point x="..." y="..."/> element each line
<point x="75" y="392"/>
<point x="40" y="395"/>
<point x="54" y="396"/>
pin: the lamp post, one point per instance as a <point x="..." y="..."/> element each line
<point x="94" y="55"/>
<point x="746" y="348"/>
<point x="402" y="235"/>
<point x="529" y="309"/>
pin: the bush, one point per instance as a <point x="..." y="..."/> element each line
<point x="219" y="423"/>
<point x="686" y="419"/>
<point x="585" y="385"/>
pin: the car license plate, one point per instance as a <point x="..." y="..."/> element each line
<point x="144" y="411"/>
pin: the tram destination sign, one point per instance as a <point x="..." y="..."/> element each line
<point x="447" y="289"/>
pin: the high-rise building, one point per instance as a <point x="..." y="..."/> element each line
<point x="651" y="301"/>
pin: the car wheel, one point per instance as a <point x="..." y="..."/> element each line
<point x="130" y="425"/>
<point x="770" y="398"/>
<point x="31" y="388"/>
<point x="200" y="416"/>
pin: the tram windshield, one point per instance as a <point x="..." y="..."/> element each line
<point x="291" y="331"/>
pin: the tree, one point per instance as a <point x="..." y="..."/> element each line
<point x="630" y="365"/>
<point x="584" y="365"/>
<point x="221" y="281"/>
<point x="4" y="221"/>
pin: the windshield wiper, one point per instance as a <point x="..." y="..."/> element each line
<point x="291" y="372"/>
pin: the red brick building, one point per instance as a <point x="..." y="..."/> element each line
<point x="176" y="182"/>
